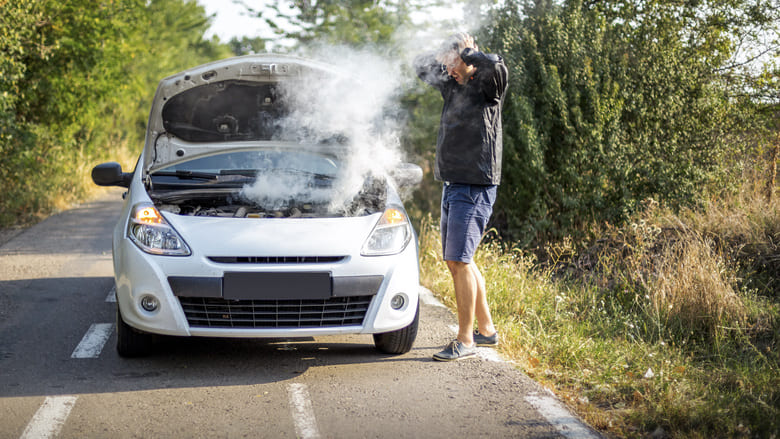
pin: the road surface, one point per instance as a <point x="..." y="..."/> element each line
<point x="60" y="375"/>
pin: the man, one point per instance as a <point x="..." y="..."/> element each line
<point x="468" y="161"/>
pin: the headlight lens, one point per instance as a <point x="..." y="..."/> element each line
<point x="152" y="234"/>
<point x="390" y="235"/>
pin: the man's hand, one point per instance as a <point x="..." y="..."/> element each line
<point x="466" y="41"/>
<point x="454" y="46"/>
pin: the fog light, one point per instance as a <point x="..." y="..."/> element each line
<point x="149" y="303"/>
<point x="397" y="302"/>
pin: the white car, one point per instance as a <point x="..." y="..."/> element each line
<point x="236" y="224"/>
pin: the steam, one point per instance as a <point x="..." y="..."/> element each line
<point x="356" y="111"/>
<point x="277" y="190"/>
<point x="359" y="108"/>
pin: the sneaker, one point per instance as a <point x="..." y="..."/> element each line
<point x="484" y="340"/>
<point x="455" y="351"/>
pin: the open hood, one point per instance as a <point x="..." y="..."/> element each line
<point x="230" y="104"/>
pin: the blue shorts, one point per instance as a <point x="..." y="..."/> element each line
<point x="465" y="210"/>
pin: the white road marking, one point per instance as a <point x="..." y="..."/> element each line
<point x="554" y="412"/>
<point x="302" y="412"/>
<point x="428" y="298"/>
<point x="560" y="418"/>
<point x="93" y="341"/>
<point x="489" y="354"/>
<point x="50" y="417"/>
<point x="111" y="295"/>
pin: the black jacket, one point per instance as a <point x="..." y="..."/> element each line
<point x="468" y="149"/>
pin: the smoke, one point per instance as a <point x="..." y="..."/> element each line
<point x="356" y="111"/>
<point x="278" y="190"/>
<point x="359" y="108"/>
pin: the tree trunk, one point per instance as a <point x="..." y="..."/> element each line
<point x="770" y="187"/>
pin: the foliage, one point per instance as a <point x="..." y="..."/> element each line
<point x="18" y="21"/>
<point x="76" y="81"/>
<point x="352" y="23"/>
<point x="611" y="103"/>
<point x="247" y="45"/>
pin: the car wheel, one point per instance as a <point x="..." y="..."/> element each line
<point x="131" y="342"/>
<point x="401" y="340"/>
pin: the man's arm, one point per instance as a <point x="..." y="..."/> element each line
<point x="491" y="71"/>
<point x="429" y="70"/>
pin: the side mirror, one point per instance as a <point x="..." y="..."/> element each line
<point x="110" y="174"/>
<point x="407" y="175"/>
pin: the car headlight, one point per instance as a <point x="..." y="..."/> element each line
<point x="390" y="235"/>
<point x="152" y="234"/>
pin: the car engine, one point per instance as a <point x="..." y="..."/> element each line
<point x="370" y="199"/>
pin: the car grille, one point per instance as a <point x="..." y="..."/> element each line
<point x="276" y="259"/>
<point x="221" y="313"/>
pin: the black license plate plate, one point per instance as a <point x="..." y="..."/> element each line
<point x="259" y="286"/>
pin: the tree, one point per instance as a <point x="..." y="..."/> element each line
<point x="345" y="22"/>
<point x="246" y="45"/>
<point x="76" y="80"/>
<point x="612" y="103"/>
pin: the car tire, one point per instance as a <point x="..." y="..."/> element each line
<point x="401" y="340"/>
<point x="131" y="342"/>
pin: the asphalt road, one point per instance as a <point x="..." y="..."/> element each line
<point x="60" y="375"/>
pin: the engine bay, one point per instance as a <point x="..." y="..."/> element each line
<point x="232" y="203"/>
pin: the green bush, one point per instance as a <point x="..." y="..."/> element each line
<point x="611" y="103"/>
<point x="75" y="82"/>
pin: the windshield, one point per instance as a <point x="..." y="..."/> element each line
<point x="257" y="163"/>
<point x="265" y="183"/>
<point x="271" y="178"/>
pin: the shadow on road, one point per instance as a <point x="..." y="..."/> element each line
<point x="35" y="352"/>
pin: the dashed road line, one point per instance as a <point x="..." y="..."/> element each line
<point x="96" y="337"/>
<point x="52" y="414"/>
<point x="111" y="295"/>
<point x="50" y="417"/>
<point x="303" y="412"/>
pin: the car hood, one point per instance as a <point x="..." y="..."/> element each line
<point x="230" y="237"/>
<point x="233" y="103"/>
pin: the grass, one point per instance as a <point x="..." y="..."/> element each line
<point x="41" y="183"/>
<point x="669" y="326"/>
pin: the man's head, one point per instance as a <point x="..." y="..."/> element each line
<point x="449" y="56"/>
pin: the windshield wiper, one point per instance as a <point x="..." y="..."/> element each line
<point x="243" y="172"/>
<point x="295" y="171"/>
<point x="233" y="175"/>
<point x="188" y="175"/>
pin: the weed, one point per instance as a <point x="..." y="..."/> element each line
<point x="666" y="326"/>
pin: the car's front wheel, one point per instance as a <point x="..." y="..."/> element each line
<point x="131" y="342"/>
<point x="401" y="340"/>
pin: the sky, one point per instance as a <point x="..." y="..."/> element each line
<point x="232" y="21"/>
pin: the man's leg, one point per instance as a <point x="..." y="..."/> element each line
<point x="471" y="299"/>
<point x="466" y="299"/>
<point x="482" y="310"/>
<point x="465" y="212"/>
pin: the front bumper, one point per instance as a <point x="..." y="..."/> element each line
<point x="192" y="296"/>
